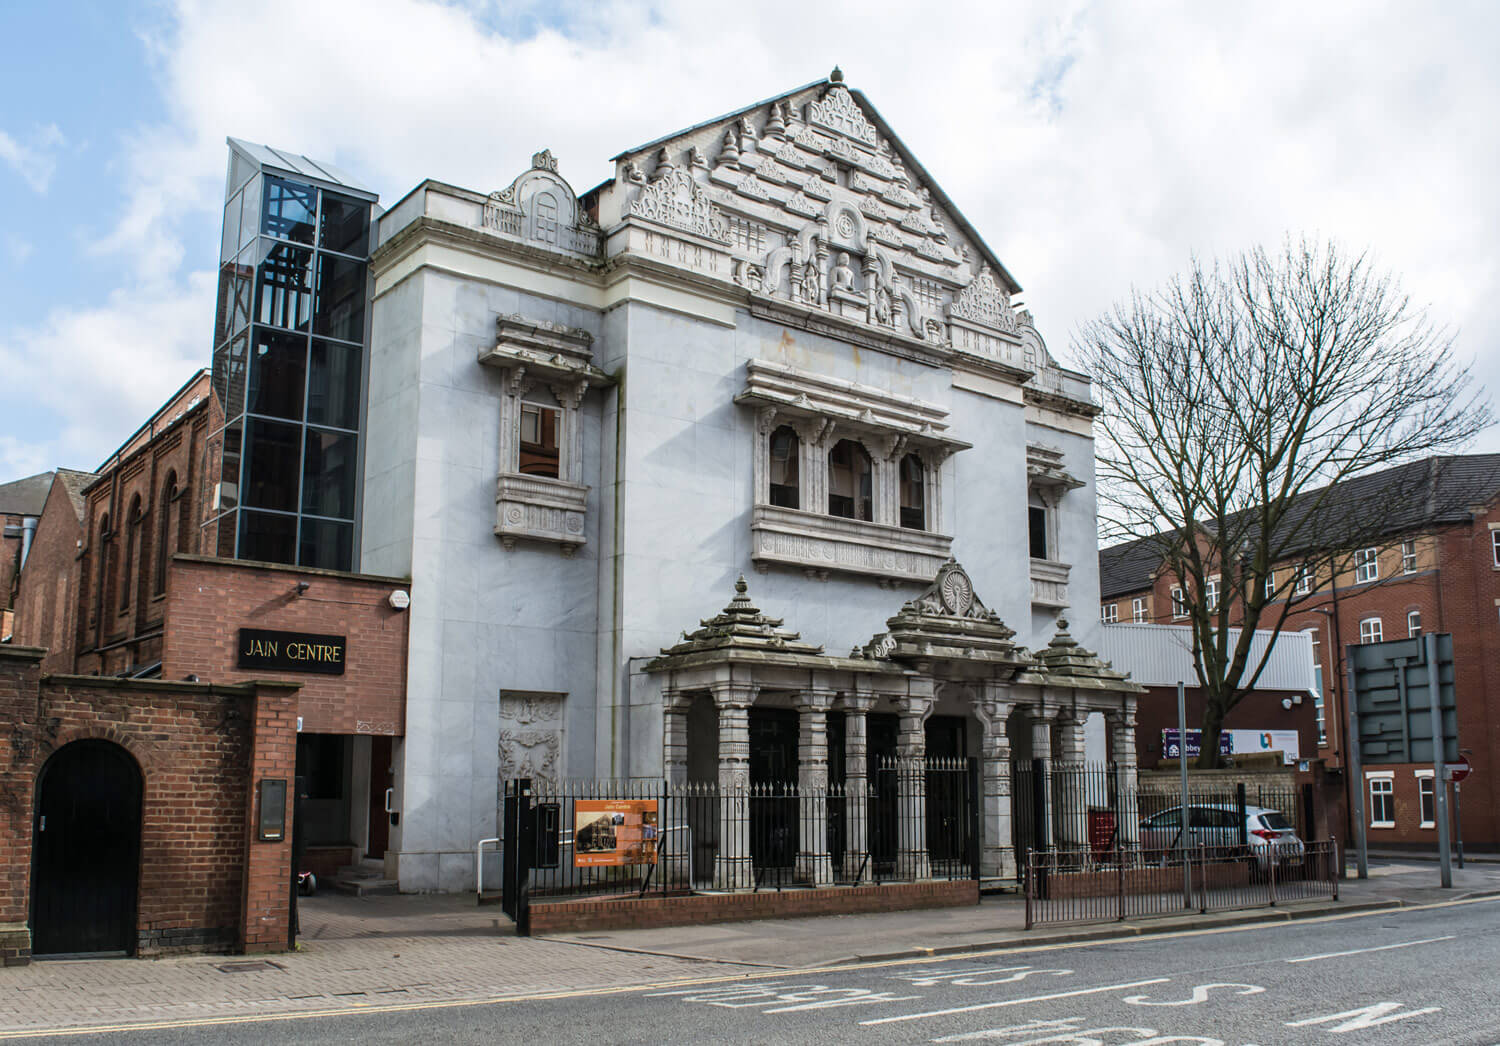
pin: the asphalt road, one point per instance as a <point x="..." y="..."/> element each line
<point x="1426" y="976"/>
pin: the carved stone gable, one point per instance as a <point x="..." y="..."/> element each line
<point x="677" y="200"/>
<point x="984" y="302"/>
<point x="838" y="111"/>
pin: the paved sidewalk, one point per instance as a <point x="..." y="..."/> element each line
<point x="383" y="951"/>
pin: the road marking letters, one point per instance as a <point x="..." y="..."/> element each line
<point x="1016" y="1002"/>
<point x="975" y="977"/>
<point x="1367" y="1017"/>
<point x="1200" y="994"/>
<point x="1070" y="1031"/>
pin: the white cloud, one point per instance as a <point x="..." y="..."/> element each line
<point x="36" y="160"/>
<point x="1095" y="146"/>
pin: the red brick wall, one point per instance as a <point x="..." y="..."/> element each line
<point x="198" y="747"/>
<point x="48" y="592"/>
<point x="627" y="913"/>
<point x="267" y="868"/>
<point x="210" y="600"/>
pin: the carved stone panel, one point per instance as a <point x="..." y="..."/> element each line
<point x="531" y="736"/>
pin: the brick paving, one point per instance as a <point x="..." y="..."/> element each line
<point x="375" y="951"/>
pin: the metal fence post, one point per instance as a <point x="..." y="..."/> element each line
<point x="1202" y="879"/>
<point x="1027" y="878"/>
<point x="1120" y="884"/>
<point x="1271" y="855"/>
<point x="1334" y="864"/>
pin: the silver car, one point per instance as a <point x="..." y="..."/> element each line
<point x="1266" y="831"/>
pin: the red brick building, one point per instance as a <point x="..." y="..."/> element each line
<point x="48" y="587"/>
<point x="187" y="680"/>
<point x="21" y="503"/>
<point x="1437" y="569"/>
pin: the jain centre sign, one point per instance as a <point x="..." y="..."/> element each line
<point x="291" y="651"/>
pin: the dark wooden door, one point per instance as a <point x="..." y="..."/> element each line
<point x="86" y="854"/>
<point x="381" y="778"/>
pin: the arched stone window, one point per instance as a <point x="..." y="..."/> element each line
<point x="785" y="452"/>
<point x="132" y="548"/>
<point x="913" y="493"/>
<point x="850" y="482"/>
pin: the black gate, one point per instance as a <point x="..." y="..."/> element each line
<point x="86" y="855"/>
<point x="518" y="831"/>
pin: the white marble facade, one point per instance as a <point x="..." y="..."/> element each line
<point x="791" y="264"/>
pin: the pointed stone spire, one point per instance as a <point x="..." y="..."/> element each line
<point x="1069" y="664"/>
<point x="730" y="153"/>
<point x="740" y="628"/>
<point x="776" y="125"/>
<point x="837" y="76"/>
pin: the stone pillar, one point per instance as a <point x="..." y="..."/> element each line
<point x="997" y="854"/>
<point x="814" y="865"/>
<point x="1071" y="789"/>
<point x="1044" y="833"/>
<point x="732" y="867"/>
<point x="911" y="776"/>
<point x="674" y="736"/>
<point x="1122" y="744"/>
<point x="856" y="784"/>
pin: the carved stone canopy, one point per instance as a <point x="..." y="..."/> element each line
<point x="1066" y="663"/>
<point x="739" y="629"/>
<point x="1044" y="469"/>
<point x="548" y="351"/>
<point x="949" y="624"/>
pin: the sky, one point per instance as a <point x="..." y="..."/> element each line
<point x="1097" y="147"/>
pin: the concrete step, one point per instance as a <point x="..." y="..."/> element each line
<point x="363" y="886"/>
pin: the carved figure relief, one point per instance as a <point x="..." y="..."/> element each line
<point x="983" y="301"/>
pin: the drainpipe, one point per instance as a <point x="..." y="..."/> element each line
<point x="28" y="534"/>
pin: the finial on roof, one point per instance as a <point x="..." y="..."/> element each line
<point x="837" y="76"/>
<point x="740" y="587"/>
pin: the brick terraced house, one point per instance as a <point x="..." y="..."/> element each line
<point x="1436" y="569"/>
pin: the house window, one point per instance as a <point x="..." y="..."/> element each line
<point x="1427" y="795"/>
<point x="1408" y="557"/>
<point x="913" y="493"/>
<point x="1318" y="702"/>
<point x="539" y="455"/>
<point x="1366" y="566"/>
<point x="786" y="450"/>
<point x="1109" y="613"/>
<point x="1382" y="802"/>
<point x="1037" y="518"/>
<point x="1369" y="630"/>
<point x="1211" y="594"/>
<point x="1270" y="585"/>
<point x="1414" y="623"/>
<point x="1138" y="610"/>
<point x="850" y="482"/>
<point x="1304" y="581"/>
<point x="1495" y="543"/>
<point x="1179" y="605"/>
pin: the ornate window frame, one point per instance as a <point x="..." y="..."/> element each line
<point x="822" y="411"/>
<point x="534" y="353"/>
<point x="1047" y="482"/>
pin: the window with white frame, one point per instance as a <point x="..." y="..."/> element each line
<point x="1270" y="584"/>
<point x="1413" y="623"/>
<point x="1408" y="557"/>
<point x="1109" y="613"/>
<point x="1179" y="604"/>
<point x="1366" y="566"/>
<point x="1427" y="795"/>
<point x="1370" y="631"/>
<point x="1495" y="543"/>
<point x="1211" y="593"/>
<point x="1304" y="581"/>
<point x="1319" y="705"/>
<point x="1382" y="800"/>
<point x="1138" y="610"/>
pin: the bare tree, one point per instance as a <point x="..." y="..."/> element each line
<point x="1236" y="400"/>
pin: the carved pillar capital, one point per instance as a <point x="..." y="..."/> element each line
<point x="732" y="695"/>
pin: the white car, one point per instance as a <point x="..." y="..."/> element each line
<point x="1266" y="831"/>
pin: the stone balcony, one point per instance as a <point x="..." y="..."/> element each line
<point x="1049" y="583"/>
<point x="540" y="508"/>
<point x="823" y="545"/>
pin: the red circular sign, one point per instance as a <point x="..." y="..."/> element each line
<point x="1459" y="770"/>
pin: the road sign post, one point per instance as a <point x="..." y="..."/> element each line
<point x="1439" y="795"/>
<point x="1351" y="763"/>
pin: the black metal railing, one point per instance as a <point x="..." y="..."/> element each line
<point x="910" y="819"/>
<point x="1063" y="885"/>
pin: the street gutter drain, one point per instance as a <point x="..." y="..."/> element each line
<point x="251" y="966"/>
